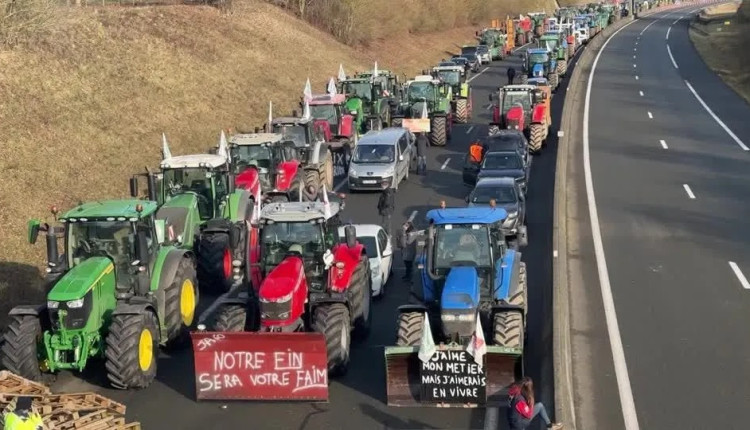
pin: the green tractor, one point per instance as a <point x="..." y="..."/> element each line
<point x="460" y="89"/>
<point x="538" y="19"/>
<point x="556" y="45"/>
<point x="371" y="100"/>
<point x="121" y="289"/>
<point x="199" y="191"/>
<point x="494" y="39"/>
<point x="426" y="108"/>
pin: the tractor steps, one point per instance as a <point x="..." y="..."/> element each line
<point x="80" y="411"/>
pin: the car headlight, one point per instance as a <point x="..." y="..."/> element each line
<point x="511" y="220"/>
<point x="75" y="304"/>
<point x="352" y="172"/>
<point x="52" y="304"/>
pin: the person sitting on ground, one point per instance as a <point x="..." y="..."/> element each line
<point x="520" y="409"/>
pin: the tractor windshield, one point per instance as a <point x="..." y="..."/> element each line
<point x="550" y="44"/>
<point x="291" y="132"/>
<point x="197" y="180"/>
<point x="462" y="244"/>
<point x="282" y="238"/>
<point x="364" y="153"/>
<point x="362" y="90"/>
<point x="251" y="155"/>
<point x="503" y="194"/>
<point x="452" y="77"/>
<point x="421" y="90"/>
<point x="502" y="161"/>
<point x="325" y="112"/>
<point x="517" y="97"/>
<point x="538" y="58"/>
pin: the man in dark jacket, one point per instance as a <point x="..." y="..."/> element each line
<point x="407" y="242"/>
<point x="511" y="75"/>
<point x="386" y="207"/>
<point x="422" y="143"/>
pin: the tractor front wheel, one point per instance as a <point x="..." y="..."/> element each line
<point x="132" y="350"/>
<point x="214" y="263"/>
<point x="524" y="79"/>
<point x="328" y="176"/>
<point x="438" y="131"/>
<point x="508" y="329"/>
<point x="462" y="111"/>
<point x="19" y="353"/>
<point x="333" y="320"/>
<point x="536" y="137"/>
<point x="181" y="300"/>
<point x="360" y="298"/>
<point x="231" y="318"/>
<point x="410" y="329"/>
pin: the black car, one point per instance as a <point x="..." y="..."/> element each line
<point x="504" y="139"/>
<point x="498" y="163"/>
<point x="507" y="194"/>
<point x="462" y="61"/>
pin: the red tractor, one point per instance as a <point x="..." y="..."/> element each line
<point x="521" y="107"/>
<point x="311" y="281"/>
<point x="340" y="131"/>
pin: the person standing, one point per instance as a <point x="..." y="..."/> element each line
<point x="422" y="143"/>
<point x="407" y="242"/>
<point x="22" y="415"/>
<point x="511" y="75"/>
<point x="522" y="408"/>
<point x="386" y="207"/>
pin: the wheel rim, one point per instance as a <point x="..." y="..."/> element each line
<point x="187" y="302"/>
<point x="227" y="264"/>
<point x="145" y="349"/>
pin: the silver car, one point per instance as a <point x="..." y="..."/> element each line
<point x="381" y="157"/>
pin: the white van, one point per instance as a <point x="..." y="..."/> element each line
<point x="582" y="35"/>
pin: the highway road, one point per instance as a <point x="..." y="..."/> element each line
<point x="358" y="400"/>
<point x="660" y="299"/>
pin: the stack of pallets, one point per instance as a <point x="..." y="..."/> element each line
<point x="79" y="411"/>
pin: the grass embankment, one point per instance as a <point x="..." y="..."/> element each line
<point x="83" y="102"/>
<point x="726" y="51"/>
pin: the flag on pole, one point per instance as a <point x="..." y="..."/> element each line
<point x="270" y="117"/>
<point x="308" y="91"/>
<point x="223" y="146"/>
<point x="332" y="87"/>
<point x="427" y="346"/>
<point x="477" y="347"/>
<point x="165" y="152"/>
<point x="326" y="203"/>
<point x="306" y="114"/>
<point x="342" y="74"/>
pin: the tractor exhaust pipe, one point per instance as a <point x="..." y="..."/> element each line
<point x="152" y="191"/>
<point x="53" y="257"/>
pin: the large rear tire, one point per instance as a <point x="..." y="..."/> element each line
<point x="132" y="349"/>
<point x="328" y="171"/>
<point x="360" y="300"/>
<point x="561" y="67"/>
<point x="520" y="297"/>
<point x="508" y="329"/>
<point x="536" y="137"/>
<point x="554" y="81"/>
<point x="410" y="329"/>
<point x="462" y="111"/>
<point x="524" y="79"/>
<point x="333" y="321"/>
<point x="438" y="131"/>
<point x="214" y="263"/>
<point x="181" y="301"/>
<point x="312" y="177"/>
<point x="397" y="122"/>
<point x="231" y="318"/>
<point x="20" y="354"/>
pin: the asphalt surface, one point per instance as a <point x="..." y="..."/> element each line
<point x="358" y="400"/>
<point x="671" y="194"/>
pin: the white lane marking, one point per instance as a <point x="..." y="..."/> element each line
<point x="522" y="46"/>
<point x="477" y="75"/>
<point x="652" y="23"/>
<point x="668" y="30"/>
<point x="738" y="273"/>
<point x="447" y="160"/>
<point x="554" y="253"/>
<point x="341" y="184"/>
<point x="676" y="21"/>
<point x="636" y="43"/>
<point x="469" y="130"/>
<point x="489" y="106"/>
<point x="650" y="116"/>
<point x="641" y="93"/>
<point x="618" y="354"/>
<point x="663" y="144"/>
<point x="674" y="63"/>
<point x="635" y="49"/>
<point x="413" y="215"/>
<point x="634" y="57"/>
<point x="636" y="77"/>
<point x="716" y="118"/>
<point x="688" y="191"/>
<point x="634" y="66"/>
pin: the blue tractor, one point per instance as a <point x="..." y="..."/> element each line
<point x="539" y="63"/>
<point x="468" y="272"/>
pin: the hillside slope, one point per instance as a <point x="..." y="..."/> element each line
<point x="84" y="107"/>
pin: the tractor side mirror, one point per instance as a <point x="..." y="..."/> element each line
<point x="141" y="248"/>
<point x="133" y="187"/>
<point x="34" y="225"/>
<point x="350" y="233"/>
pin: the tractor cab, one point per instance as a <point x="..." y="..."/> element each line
<point x="454" y="76"/>
<point x="330" y="114"/>
<point x="538" y="63"/>
<point x="360" y="93"/>
<point x="263" y="160"/>
<point x="386" y="80"/>
<point x="207" y="176"/>
<point x="424" y="89"/>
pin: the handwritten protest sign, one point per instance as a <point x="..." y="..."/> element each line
<point x="260" y="366"/>
<point x="453" y="377"/>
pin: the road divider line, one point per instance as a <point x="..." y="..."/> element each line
<point x="677" y="20"/>
<point x="674" y="63"/>
<point x="738" y="273"/>
<point x="477" y="75"/>
<point x="634" y="57"/>
<point x="635" y="49"/>
<point x="627" y="403"/>
<point x="641" y="93"/>
<point x="445" y="164"/>
<point x="688" y="191"/>
<point x="668" y="30"/>
<point x="663" y="144"/>
<point x="650" y="116"/>
<point x="716" y="118"/>
<point x="469" y="130"/>
<point x="646" y="28"/>
<point x="522" y="46"/>
<point x="489" y="106"/>
<point x="636" y="77"/>
<point x="413" y="215"/>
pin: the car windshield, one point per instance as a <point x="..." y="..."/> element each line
<point x="294" y="133"/>
<point x="462" y="244"/>
<point x="469" y="50"/>
<point x="371" y="246"/>
<point x="281" y="238"/>
<point x="511" y="98"/>
<point x="364" y="153"/>
<point x="538" y="57"/>
<point x="326" y="112"/>
<point x="460" y="61"/>
<point x="501" y="160"/>
<point x="452" y="77"/>
<point x="114" y="239"/>
<point x="421" y="90"/>
<point x="246" y="155"/>
<point x="502" y="194"/>
<point x="362" y="90"/>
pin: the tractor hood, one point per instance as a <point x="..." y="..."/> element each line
<point x="81" y="278"/>
<point x="461" y="290"/>
<point x="355" y="104"/>
<point x="283" y="280"/>
<point x="537" y="70"/>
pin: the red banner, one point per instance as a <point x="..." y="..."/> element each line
<point x="260" y="366"/>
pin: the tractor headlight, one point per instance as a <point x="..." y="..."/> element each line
<point x="75" y="304"/>
<point x="278" y="300"/>
<point x="461" y="317"/>
<point x="51" y="304"/>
